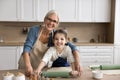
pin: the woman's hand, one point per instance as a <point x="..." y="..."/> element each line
<point x="74" y="73"/>
<point x="28" y="66"/>
<point x="78" y="68"/>
<point x="77" y="62"/>
<point x="34" y="75"/>
<point x="28" y="71"/>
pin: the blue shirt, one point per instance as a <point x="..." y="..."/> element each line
<point x="32" y="37"/>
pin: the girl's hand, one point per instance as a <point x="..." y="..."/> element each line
<point x="37" y="72"/>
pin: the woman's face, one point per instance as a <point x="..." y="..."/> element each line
<point x="59" y="40"/>
<point x="51" y="22"/>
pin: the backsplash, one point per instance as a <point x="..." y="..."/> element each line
<point x="84" y="32"/>
<point x="13" y="31"/>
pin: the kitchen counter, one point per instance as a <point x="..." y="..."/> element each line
<point x="87" y="75"/>
<point x="92" y="44"/>
<point x="11" y="43"/>
<point x="16" y="43"/>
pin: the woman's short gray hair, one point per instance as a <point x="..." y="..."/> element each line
<point x="50" y="13"/>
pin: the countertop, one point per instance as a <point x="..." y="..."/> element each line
<point x="11" y="43"/>
<point x="86" y="75"/>
<point x="16" y="43"/>
<point x="92" y="44"/>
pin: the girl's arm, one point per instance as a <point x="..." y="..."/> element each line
<point x="40" y="67"/>
<point x="47" y="56"/>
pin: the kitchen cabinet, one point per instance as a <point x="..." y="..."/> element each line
<point x="117" y="32"/>
<point x="67" y="9"/>
<point x="91" y="55"/>
<point x="102" y="10"/>
<point x="75" y="11"/>
<point x="117" y="23"/>
<point x="8" y="10"/>
<point x="20" y="50"/>
<point x="23" y="10"/>
<point x="42" y="8"/>
<point x="85" y="10"/>
<point x="9" y="56"/>
<point x="117" y="54"/>
<point x="26" y="10"/>
<point x="94" y="10"/>
<point x="33" y="10"/>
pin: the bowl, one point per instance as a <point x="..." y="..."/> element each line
<point x="19" y="76"/>
<point x="8" y="76"/>
<point x="97" y="75"/>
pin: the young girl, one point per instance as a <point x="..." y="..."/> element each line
<point x="60" y="55"/>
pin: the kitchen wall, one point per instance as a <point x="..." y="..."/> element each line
<point x="12" y="31"/>
<point x="86" y="31"/>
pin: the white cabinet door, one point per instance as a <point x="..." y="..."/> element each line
<point x="26" y="10"/>
<point x="96" y="55"/>
<point x="67" y="9"/>
<point x="20" y="50"/>
<point x="85" y="10"/>
<point x="94" y="10"/>
<point x="117" y="32"/>
<point x="8" y="57"/>
<point x="117" y="23"/>
<point x="43" y="7"/>
<point x="8" y="10"/>
<point x="117" y="55"/>
<point x="33" y="10"/>
<point x="102" y="10"/>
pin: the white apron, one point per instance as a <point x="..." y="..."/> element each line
<point x="36" y="54"/>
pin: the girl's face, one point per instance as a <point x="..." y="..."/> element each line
<point x="51" y="22"/>
<point x="59" y="40"/>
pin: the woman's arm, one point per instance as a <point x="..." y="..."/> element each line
<point x="72" y="46"/>
<point x="28" y="66"/>
<point x="30" y="40"/>
<point x="75" y="53"/>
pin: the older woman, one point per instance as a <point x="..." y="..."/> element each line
<point x="38" y="40"/>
